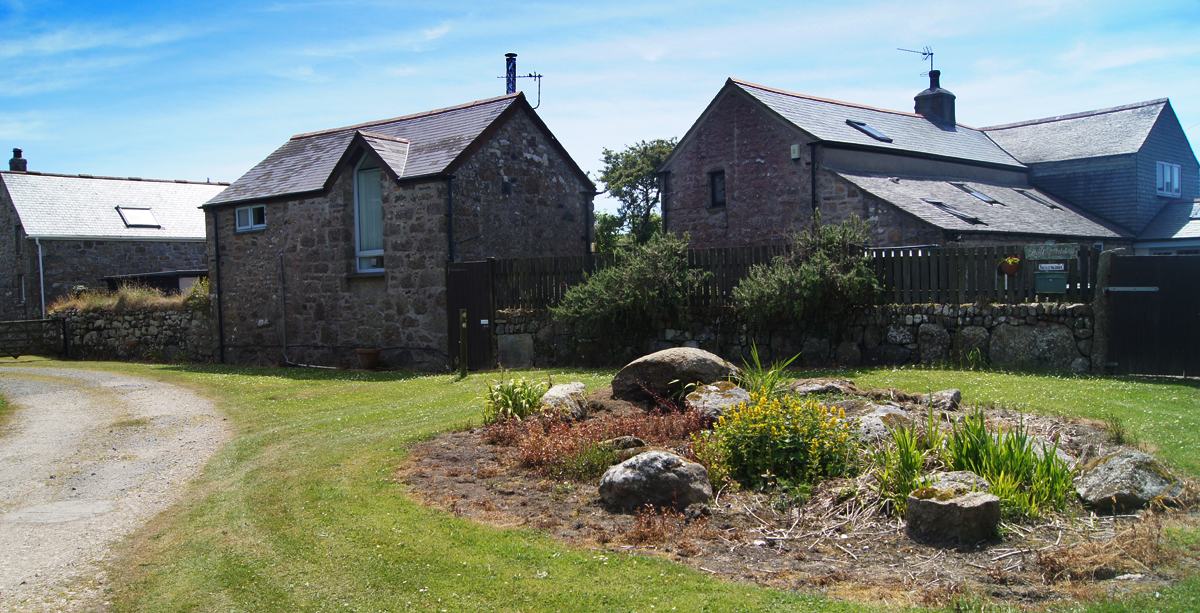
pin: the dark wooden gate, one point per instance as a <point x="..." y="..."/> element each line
<point x="1154" y="314"/>
<point x="469" y="286"/>
<point x="46" y="337"/>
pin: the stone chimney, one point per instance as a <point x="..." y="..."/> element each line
<point x="935" y="103"/>
<point x="17" y="163"/>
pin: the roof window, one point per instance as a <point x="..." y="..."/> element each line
<point x="1195" y="211"/>
<point x="1038" y="199"/>
<point x="869" y="131"/>
<point x="967" y="217"/>
<point x="137" y="217"/>
<point x="978" y="194"/>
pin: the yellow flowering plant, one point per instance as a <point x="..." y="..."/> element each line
<point x="793" y="439"/>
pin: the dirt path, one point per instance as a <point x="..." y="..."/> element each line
<point x="86" y="458"/>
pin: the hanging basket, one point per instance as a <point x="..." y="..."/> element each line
<point x="1010" y="269"/>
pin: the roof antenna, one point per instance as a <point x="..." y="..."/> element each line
<point x="926" y="54"/>
<point x="510" y="77"/>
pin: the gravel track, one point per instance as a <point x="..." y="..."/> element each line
<point x="88" y="457"/>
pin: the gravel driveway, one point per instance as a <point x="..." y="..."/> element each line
<point x="87" y="458"/>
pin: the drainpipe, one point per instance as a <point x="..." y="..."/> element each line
<point x="217" y="282"/>
<point x="812" y="176"/>
<point x="41" y="277"/>
<point x="450" y="213"/>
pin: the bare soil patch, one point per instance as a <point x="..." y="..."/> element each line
<point x="836" y="542"/>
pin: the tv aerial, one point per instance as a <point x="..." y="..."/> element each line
<point x="926" y="54"/>
<point x="510" y="77"/>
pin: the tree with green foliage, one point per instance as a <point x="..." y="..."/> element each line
<point x="630" y="177"/>
<point x="611" y="236"/>
<point x="823" y="273"/>
<point x="649" y="285"/>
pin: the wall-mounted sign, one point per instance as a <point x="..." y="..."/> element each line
<point x="1049" y="267"/>
<point x="1065" y="251"/>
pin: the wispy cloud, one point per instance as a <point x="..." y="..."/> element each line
<point x="73" y="39"/>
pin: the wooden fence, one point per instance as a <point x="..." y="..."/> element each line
<point x="908" y="275"/>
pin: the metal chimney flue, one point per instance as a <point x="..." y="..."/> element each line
<point x="18" y="163"/>
<point x="510" y="79"/>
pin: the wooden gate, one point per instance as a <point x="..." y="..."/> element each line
<point x="469" y="286"/>
<point x="1154" y="315"/>
<point x="33" y="337"/>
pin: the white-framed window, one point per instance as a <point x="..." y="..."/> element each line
<point x="138" y="217"/>
<point x="368" y="216"/>
<point x="1168" y="179"/>
<point x="251" y="218"/>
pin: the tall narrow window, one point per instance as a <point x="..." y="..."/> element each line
<point x="368" y="216"/>
<point x="716" y="188"/>
<point x="1168" y="179"/>
<point x="21" y="289"/>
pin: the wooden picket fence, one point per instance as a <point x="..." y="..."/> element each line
<point x="907" y="275"/>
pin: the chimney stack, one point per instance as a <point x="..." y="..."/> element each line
<point x="935" y="103"/>
<point x="510" y="79"/>
<point x="17" y="163"/>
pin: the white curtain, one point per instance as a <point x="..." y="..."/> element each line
<point x="369" y="211"/>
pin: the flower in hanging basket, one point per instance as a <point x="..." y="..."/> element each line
<point x="1011" y="260"/>
<point x="1010" y="265"/>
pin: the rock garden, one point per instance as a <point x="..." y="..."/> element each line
<point x="871" y="495"/>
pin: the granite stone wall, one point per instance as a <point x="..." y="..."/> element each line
<point x="158" y="336"/>
<point x="296" y="279"/>
<point x="1028" y="336"/>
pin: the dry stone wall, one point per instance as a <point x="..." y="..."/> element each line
<point x="1027" y="337"/>
<point x="160" y="336"/>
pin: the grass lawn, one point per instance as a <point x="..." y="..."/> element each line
<point x="300" y="512"/>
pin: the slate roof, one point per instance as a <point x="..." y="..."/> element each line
<point x="1017" y="212"/>
<point x="85" y="207"/>
<point x="306" y="162"/>
<point x="1115" y="131"/>
<point x="1176" y="220"/>
<point x="912" y="133"/>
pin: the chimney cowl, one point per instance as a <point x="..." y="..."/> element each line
<point x="935" y="103"/>
<point x="18" y="163"/>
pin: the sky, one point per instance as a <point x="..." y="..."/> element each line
<point x="205" y="90"/>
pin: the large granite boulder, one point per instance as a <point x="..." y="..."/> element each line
<point x="566" y="399"/>
<point x="934" y="342"/>
<point x="1126" y="480"/>
<point x="971" y="344"/>
<point x="947" y="516"/>
<point x="659" y="478"/>
<point x="667" y="371"/>
<point x="715" y="399"/>
<point x="1045" y="345"/>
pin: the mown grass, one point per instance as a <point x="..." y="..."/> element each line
<point x="301" y="512"/>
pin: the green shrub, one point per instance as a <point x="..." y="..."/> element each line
<point x="198" y="296"/>
<point x="1026" y="481"/>
<point x="707" y="449"/>
<point x="899" y="464"/>
<point x="770" y="382"/>
<point x="516" y="399"/>
<point x="823" y="273"/>
<point x="789" y="440"/>
<point x="650" y="284"/>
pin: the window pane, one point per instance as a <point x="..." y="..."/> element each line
<point x="137" y="218"/>
<point x="370" y="211"/>
<point x="243" y="218"/>
<point x="260" y="215"/>
<point x="1175" y="183"/>
<point x="1161" y="186"/>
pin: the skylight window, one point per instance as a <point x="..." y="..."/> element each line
<point x="1195" y="211"/>
<point x="1038" y="199"/>
<point x="978" y="194"/>
<point x="967" y="217"/>
<point x="869" y="131"/>
<point x="137" y="217"/>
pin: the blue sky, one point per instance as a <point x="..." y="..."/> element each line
<point x="204" y="90"/>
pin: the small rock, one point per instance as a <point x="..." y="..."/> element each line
<point x="1126" y="480"/>
<point x="805" y="387"/>
<point x="961" y="481"/>
<point x="945" y="400"/>
<point x="567" y="398"/>
<point x="941" y="516"/>
<point x="715" y="399"/>
<point x="622" y="442"/>
<point x="874" y="425"/>
<point x="659" y="478"/>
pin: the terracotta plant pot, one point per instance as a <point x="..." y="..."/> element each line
<point x="1010" y="269"/>
<point x="368" y="358"/>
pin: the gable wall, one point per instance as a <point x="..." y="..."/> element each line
<point x="14" y="265"/>
<point x="767" y="193"/>
<point x="517" y="196"/>
<point x="1104" y="186"/>
<point x="1166" y="143"/>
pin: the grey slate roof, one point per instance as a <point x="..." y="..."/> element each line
<point x="826" y="120"/>
<point x="1114" y="131"/>
<point x="306" y="162"/>
<point x="1172" y="222"/>
<point x="391" y="151"/>
<point x="85" y="207"/>
<point x="1017" y="213"/>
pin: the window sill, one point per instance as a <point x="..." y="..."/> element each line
<point x="378" y="274"/>
<point x="250" y="230"/>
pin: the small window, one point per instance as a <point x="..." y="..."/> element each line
<point x="1195" y="213"/>
<point x="716" y="188"/>
<point x="137" y="217"/>
<point x="21" y="289"/>
<point x="252" y="218"/>
<point x="1038" y="199"/>
<point x="1168" y="179"/>
<point x="967" y="217"/>
<point x="978" y="194"/>
<point x="869" y="131"/>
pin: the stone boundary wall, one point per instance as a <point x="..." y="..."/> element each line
<point x="159" y="336"/>
<point x="1027" y="337"/>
